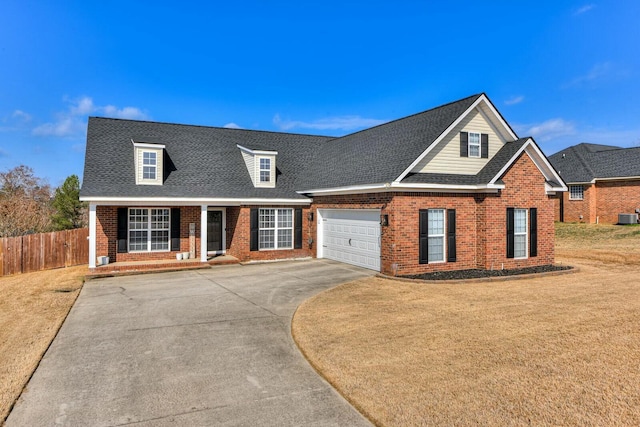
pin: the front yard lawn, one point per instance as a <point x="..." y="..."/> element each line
<point x="32" y="308"/>
<point x="559" y="350"/>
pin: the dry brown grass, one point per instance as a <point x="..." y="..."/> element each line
<point x="558" y="350"/>
<point x="32" y="308"/>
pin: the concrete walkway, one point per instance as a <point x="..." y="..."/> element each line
<point x="202" y="347"/>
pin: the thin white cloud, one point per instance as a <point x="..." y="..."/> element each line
<point x="597" y="72"/>
<point x="345" y="123"/>
<point x="514" y="100"/>
<point x="547" y="130"/>
<point x="72" y="122"/>
<point x="21" y="116"/>
<point x="584" y="9"/>
<point x="231" y="125"/>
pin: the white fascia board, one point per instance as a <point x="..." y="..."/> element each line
<point x="187" y="201"/>
<point x="148" y="145"/>
<point x="399" y="187"/>
<point x="538" y="159"/>
<point x="617" y="178"/>
<point x="446" y="188"/>
<point x="440" y="138"/>
<point x="352" y="189"/>
<point x="257" y="152"/>
<point x="499" y="118"/>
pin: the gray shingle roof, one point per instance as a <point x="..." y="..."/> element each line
<point x="585" y="162"/>
<point x="201" y="161"/>
<point x="204" y="162"/>
<point x="380" y="154"/>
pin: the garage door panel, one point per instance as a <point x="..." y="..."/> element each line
<point x="352" y="236"/>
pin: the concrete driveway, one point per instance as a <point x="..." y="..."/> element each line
<point x="203" y="347"/>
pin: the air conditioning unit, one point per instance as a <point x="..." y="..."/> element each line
<point x="627" y="218"/>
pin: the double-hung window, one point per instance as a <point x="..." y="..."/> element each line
<point x="519" y="233"/>
<point x="149" y="165"/>
<point x="576" y="192"/>
<point x="265" y="169"/>
<point x="436" y="235"/>
<point x="474" y="144"/>
<point x="275" y="228"/>
<point x="149" y="229"/>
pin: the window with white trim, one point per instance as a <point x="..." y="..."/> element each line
<point x="275" y="228"/>
<point x="265" y="169"/>
<point x="149" y="164"/>
<point x="149" y="229"/>
<point x="474" y="144"/>
<point x="576" y="192"/>
<point x="519" y="233"/>
<point x="436" y="235"/>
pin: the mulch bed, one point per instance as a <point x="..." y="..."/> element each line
<point x="479" y="274"/>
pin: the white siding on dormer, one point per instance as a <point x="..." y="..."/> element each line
<point x="445" y="157"/>
<point x="159" y="165"/>
<point x="249" y="160"/>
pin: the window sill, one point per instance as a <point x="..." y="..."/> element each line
<point x="274" y="249"/>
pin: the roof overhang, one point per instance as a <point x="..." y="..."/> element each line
<point x="141" y="144"/>
<point x="400" y="187"/>
<point x="257" y="152"/>
<point x="542" y="163"/>
<point x="190" y="201"/>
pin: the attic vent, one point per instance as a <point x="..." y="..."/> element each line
<point x="628" y="218"/>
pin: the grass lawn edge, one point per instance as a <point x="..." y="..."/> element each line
<point x="317" y="369"/>
<point x="42" y="354"/>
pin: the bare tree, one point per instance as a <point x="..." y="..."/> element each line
<point x="25" y="203"/>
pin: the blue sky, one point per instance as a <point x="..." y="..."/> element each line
<point x="562" y="71"/>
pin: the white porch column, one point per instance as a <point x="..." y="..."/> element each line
<point x="203" y="233"/>
<point x="92" y="235"/>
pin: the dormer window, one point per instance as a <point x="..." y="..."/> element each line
<point x="265" y="169"/>
<point x="261" y="165"/>
<point x="148" y="158"/>
<point x="149" y="164"/>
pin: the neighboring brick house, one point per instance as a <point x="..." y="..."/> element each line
<point x="603" y="181"/>
<point x="450" y="188"/>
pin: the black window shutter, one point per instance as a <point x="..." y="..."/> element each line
<point x="297" y="231"/>
<point x="510" y="232"/>
<point x="451" y="235"/>
<point x="533" y="232"/>
<point x="175" y="229"/>
<point x="254" y="227"/>
<point x="123" y="220"/>
<point x="484" y="146"/>
<point x="424" y="237"/>
<point x="464" y="144"/>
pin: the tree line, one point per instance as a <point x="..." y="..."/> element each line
<point x="28" y="204"/>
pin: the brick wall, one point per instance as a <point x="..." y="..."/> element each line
<point x="238" y="236"/>
<point x="524" y="188"/>
<point x="615" y="197"/>
<point x="107" y="234"/>
<point x="586" y="207"/>
<point x="480" y="223"/>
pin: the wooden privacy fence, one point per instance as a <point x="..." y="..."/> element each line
<point x="43" y="251"/>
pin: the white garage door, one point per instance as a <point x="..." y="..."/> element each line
<point x="351" y="236"/>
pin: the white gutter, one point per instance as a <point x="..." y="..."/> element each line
<point x="398" y="186"/>
<point x="190" y="201"/>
